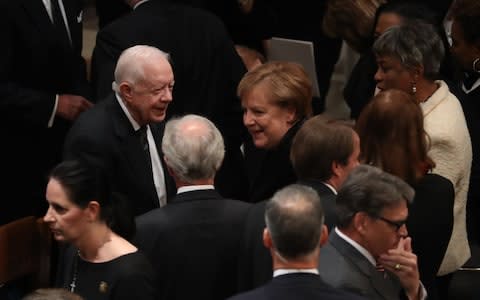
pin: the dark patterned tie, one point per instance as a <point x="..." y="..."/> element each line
<point x="142" y="134"/>
<point x="59" y="23"/>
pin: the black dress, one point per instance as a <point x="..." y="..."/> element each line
<point x="129" y="276"/>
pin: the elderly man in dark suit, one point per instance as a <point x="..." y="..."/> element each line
<point x="43" y="88"/>
<point x="206" y="66"/>
<point x="369" y="253"/>
<point x="294" y="234"/>
<point x="323" y="153"/>
<point x="193" y="241"/>
<point x="122" y="134"/>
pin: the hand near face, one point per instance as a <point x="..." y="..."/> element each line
<point x="402" y="262"/>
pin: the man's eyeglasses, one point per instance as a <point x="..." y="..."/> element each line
<point x="396" y="224"/>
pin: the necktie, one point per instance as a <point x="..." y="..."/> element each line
<point x="142" y="134"/>
<point x="59" y="23"/>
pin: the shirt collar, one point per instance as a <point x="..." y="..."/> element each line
<point x="357" y="246"/>
<point x="280" y="272"/>
<point x="190" y="188"/>
<point x="134" y="123"/>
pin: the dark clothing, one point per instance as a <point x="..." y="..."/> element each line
<point x="105" y="137"/>
<point x="255" y="262"/>
<point x="471" y="107"/>
<point x="327" y="197"/>
<point x="301" y="286"/>
<point x="193" y="245"/>
<point x="35" y="65"/>
<point x="269" y="170"/>
<point x="129" y="276"/>
<point x="206" y="68"/>
<point x="342" y="266"/>
<point x="431" y="232"/>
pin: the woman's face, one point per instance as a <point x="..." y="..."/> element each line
<point x="66" y="220"/>
<point x="266" y="122"/>
<point x="391" y="74"/>
<point x="463" y="51"/>
<point x="385" y="21"/>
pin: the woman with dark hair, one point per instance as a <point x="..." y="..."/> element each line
<point x="465" y="48"/>
<point x="99" y="263"/>
<point x="409" y="58"/>
<point x="361" y="85"/>
<point x="276" y="98"/>
<point x="391" y="130"/>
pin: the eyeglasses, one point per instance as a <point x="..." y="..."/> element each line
<point x="396" y="224"/>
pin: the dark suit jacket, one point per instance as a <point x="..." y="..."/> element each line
<point x="431" y="232"/>
<point x="193" y="244"/>
<point x="342" y="266"/>
<point x="105" y="137"/>
<point x="302" y="286"/>
<point x="327" y="197"/>
<point x="206" y="66"/>
<point x="255" y="263"/>
<point x="34" y="67"/>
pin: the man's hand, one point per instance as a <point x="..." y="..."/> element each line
<point x="402" y="262"/>
<point x="70" y="106"/>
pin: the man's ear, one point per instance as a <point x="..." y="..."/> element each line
<point x="360" y="222"/>
<point x="267" y="239"/>
<point x="125" y="90"/>
<point x="324" y="235"/>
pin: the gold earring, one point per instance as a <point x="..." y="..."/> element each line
<point x="414" y="88"/>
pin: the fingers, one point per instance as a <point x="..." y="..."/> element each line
<point x="407" y="244"/>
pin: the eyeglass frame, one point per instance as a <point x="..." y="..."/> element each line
<point x="396" y="224"/>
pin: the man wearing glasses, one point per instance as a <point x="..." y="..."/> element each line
<point x="369" y="252"/>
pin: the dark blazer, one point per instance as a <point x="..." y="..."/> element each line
<point x="269" y="170"/>
<point x="105" y="137"/>
<point x="34" y="66"/>
<point x="206" y="67"/>
<point x="431" y="233"/>
<point x="327" y="197"/>
<point x="255" y="263"/>
<point x="342" y="266"/>
<point x="302" y="286"/>
<point x="193" y="243"/>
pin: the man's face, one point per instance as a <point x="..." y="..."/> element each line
<point x="150" y="97"/>
<point x="380" y="232"/>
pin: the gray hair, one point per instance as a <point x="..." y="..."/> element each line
<point x="414" y="43"/>
<point x="294" y="218"/>
<point x="369" y="189"/>
<point x="131" y="63"/>
<point x="193" y="148"/>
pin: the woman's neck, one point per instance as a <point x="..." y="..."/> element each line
<point x="92" y="246"/>
<point x="425" y="89"/>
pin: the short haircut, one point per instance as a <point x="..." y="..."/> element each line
<point x="392" y="134"/>
<point x="368" y="189"/>
<point x="193" y="147"/>
<point x="131" y="63"/>
<point x="287" y="83"/>
<point x="294" y="218"/>
<point x="318" y="144"/>
<point x="414" y="43"/>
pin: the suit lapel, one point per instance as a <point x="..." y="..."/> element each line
<point x="385" y="287"/>
<point x="129" y="145"/>
<point x="39" y="15"/>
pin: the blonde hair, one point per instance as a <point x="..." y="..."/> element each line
<point x="288" y="86"/>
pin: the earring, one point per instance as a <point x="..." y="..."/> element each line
<point x="474" y="65"/>
<point x="414" y="88"/>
